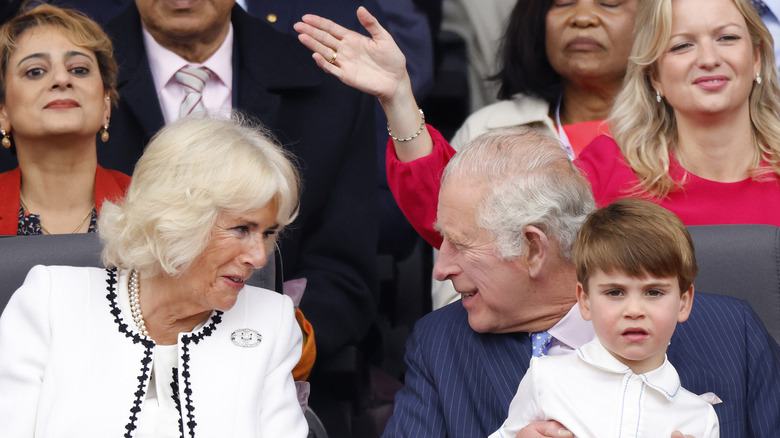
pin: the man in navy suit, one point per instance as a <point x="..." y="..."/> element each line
<point x="509" y="208"/>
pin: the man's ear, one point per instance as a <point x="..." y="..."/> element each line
<point x="537" y="250"/>
<point x="686" y="303"/>
<point x="583" y="301"/>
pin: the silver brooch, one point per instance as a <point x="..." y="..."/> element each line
<point x="246" y="338"/>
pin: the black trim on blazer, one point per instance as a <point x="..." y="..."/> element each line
<point x="145" y="361"/>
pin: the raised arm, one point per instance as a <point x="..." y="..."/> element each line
<point x="374" y="65"/>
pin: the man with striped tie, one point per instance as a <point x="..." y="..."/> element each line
<point x="509" y="208"/>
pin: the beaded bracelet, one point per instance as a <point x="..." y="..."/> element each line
<point x="422" y="126"/>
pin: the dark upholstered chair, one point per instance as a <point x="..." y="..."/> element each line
<point x="741" y="261"/>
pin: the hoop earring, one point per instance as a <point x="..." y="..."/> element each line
<point x="657" y="96"/>
<point x="758" y="78"/>
<point x="104" y="133"/>
<point x="6" y="142"/>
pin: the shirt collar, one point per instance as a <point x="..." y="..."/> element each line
<point x="663" y="379"/>
<point x="572" y="330"/>
<point x="164" y="63"/>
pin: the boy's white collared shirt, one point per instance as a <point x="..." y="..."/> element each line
<point x="594" y="395"/>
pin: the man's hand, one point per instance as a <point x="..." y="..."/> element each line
<point x="550" y="429"/>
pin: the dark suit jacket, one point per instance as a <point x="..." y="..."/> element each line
<point x="460" y="383"/>
<point x="327" y="125"/>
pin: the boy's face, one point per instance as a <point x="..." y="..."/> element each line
<point x="634" y="317"/>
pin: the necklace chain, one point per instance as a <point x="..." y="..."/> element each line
<point x="135" y="302"/>
<point x="81" y="224"/>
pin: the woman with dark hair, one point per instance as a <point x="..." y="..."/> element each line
<point x="562" y="64"/>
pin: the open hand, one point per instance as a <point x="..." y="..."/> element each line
<point x="373" y="65"/>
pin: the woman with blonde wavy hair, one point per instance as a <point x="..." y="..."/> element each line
<point x="169" y="340"/>
<point x="696" y="126"/>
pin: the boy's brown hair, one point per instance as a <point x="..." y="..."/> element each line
<point x="638" y="238"/>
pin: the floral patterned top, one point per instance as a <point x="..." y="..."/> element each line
<point x="30" y="223"/>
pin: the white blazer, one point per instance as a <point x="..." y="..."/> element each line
<point x="72" y="366"/>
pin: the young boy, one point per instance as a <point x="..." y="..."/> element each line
<point x="635" y="271"/>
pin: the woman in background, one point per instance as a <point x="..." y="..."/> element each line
<point x="697" y="126"/>
<point x="57" y="83"/>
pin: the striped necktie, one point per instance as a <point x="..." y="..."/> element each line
<point x="193" y="79"/>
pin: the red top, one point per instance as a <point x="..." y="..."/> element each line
<point x="581" y="134"/>
<point x="700" y="202"/>
<point x="109" y="185"/>
<point x="415" y="186"/>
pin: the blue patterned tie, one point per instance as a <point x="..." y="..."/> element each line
<point x="760" y="6"/>
<point x="540" y="343"/>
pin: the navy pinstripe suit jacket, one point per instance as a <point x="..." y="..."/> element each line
<point x="460" y="383"/>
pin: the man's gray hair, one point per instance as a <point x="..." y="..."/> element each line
<point x="530" y="181"/>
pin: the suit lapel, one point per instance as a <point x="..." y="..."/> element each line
<point x="135" y="82"/>
<point x="266" y="64"/>
<point x="142" y="100"/>
<point x="505" y="358"/>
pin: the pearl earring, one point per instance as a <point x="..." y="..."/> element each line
<point x="758" y="78"/>
<point x="657" y="96"/>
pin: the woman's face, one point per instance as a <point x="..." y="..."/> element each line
<point x="239" y="244"/>
<point x="709" y="64"/>
<point x="590" y="39"/>
<point x="53" y="87"/>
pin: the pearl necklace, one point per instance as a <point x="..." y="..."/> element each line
<point x="135" y="303"/>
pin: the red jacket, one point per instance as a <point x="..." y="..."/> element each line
<point x="109" y="184"/>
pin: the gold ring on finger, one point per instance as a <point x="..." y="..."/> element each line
<point x="332" y="59"/>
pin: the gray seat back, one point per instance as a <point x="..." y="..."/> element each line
<point x="20" y="253"/>
<point x="741" y="261"/>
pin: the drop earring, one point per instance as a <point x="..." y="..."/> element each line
<point x="758" y="78"/>
<point x="6" y="142"/>
<point x="104" y="133"/>
<point x="657" y="96"/>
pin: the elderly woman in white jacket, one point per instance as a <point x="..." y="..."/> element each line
<point x="168" y="341"/>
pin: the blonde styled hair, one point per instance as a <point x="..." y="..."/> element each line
<point x="193" y="170"/>
<point x="646" y="131"/>
<point x="77" y="27"/>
